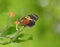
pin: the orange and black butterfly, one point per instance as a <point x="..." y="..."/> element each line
<point x="29" y="20"/>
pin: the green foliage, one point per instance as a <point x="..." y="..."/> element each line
<point x="44" y="33"/>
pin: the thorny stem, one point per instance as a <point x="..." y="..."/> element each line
<point x="16" y="34"/>
<point x="18" y="31"/>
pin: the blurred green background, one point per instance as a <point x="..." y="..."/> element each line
<point x="46" y="32"/>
